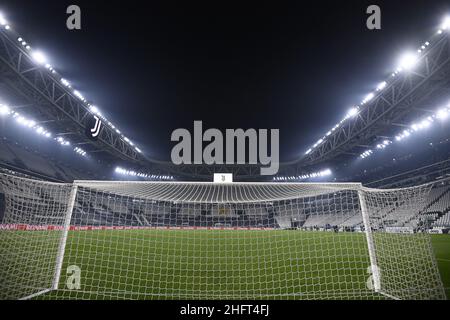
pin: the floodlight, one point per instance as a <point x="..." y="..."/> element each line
<point x="382" y="85"/>
<point x="21" y="120"/>
<point x="408" y="61"/>
<point x="425" y="123"/>
<point x="4" y="110"/>
<point x="39" y="57"/>
<point x="369" y="97"/>
<point x="78" y="94"/>
<point x="352" y="112"/>
<point x="94" y="109"/>
<point x="442" y="114"/>
<point x="65" y="82"/>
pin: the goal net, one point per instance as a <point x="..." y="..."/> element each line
<point x="159" y="240"/>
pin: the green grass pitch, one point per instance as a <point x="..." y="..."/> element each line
<point x="207" y="264"/>
<point x="441" y="247"/>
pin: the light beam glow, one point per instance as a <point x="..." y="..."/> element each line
<point x="3" y="20"/>
<point x="39" y="57"/>
<point x="408" y="61"/>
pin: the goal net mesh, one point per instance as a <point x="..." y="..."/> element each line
<point x="155" y="240"/>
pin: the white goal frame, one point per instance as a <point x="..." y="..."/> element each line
<point x="73" y="191"/>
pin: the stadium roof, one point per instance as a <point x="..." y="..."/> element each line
<point x="46" y="98"/>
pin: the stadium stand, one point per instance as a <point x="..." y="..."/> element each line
<point x="444" y="221"/>
<point x="433" y="215"/>
<point x="436" y="213"/>
<point x="279" y="215"/>
<point x="336" y="212"/>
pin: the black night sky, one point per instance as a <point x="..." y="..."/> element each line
<point x="155" y="67"/>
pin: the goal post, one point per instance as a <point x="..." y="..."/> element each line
<point x="184" y="240"/>
<point x="370" y="242"/>
<point x="65" y="232"/>
<point x="32" y="218"/>
<point x="403" y="264"/>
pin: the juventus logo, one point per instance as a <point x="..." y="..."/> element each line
<point x="96" y="130"/>
<point x="94" y="127"/>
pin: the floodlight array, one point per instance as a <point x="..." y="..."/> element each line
<point x="80" y="151"/>
<point x="441" y="114"/>
<point x="320" y="174"/>
<point x="366" y="154"/>
<point x="408" y="61"/>
<point x="41" y="60"/>
<point x="8" y="112"/>
<point x="132" y="173"/>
